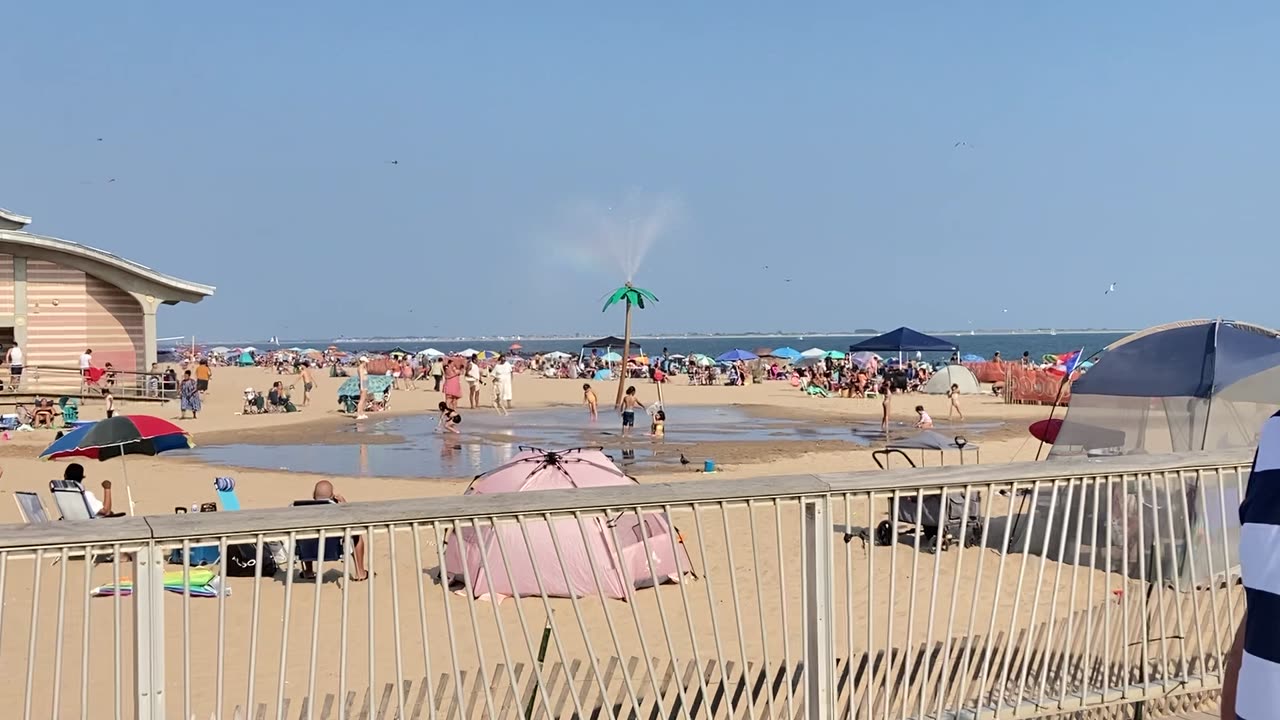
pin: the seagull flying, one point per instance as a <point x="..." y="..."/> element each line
<point x="393" y="162"/>
<point x="1110" y="289"/>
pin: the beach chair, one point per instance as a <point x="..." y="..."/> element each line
<point x="70" y="410"/>
<point x="226" y="489"/>
<point x="68" y="495"/>
<point x="308" y="550"/>
<point x="30" y="507"/>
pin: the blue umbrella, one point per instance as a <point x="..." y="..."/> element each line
<point x="735" y="355"/>
<point x="786" y="353"/>
<point x="972" y="358"/>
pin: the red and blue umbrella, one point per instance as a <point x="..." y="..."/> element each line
<point x="118" y="436"/>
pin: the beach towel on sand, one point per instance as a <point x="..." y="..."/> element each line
<point x="204" y="583"/>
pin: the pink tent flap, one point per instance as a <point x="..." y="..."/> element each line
<point x="630" y="549"/>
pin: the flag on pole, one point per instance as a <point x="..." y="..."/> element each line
<point x="1067" y="362"/>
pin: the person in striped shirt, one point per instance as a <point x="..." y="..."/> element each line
<point x="1251" y="688"/>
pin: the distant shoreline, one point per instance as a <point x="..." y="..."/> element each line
<point x="655" y="336"/>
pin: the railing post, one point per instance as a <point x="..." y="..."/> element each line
<point x="148" y="633"/>
<point x="819" y="665"/>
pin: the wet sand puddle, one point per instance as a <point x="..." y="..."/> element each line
<point x="488" y="440"/>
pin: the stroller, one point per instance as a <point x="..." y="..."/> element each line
<point x="939" y="523"/>
<point x="939" y="527"/>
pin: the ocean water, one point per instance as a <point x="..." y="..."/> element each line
<point x="1010" y="346"/>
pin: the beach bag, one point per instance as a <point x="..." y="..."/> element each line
<point x="242" y="559"/>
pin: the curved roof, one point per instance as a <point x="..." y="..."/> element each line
<point x="12" y="219"/>
<point x="175" y="288"/>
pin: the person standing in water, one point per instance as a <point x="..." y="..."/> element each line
<point x="886" y="392"/>
<point x="591" y="401"/>
<point x="629" y="404"/>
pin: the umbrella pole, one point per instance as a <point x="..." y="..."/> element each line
<point x="124" y="471"/>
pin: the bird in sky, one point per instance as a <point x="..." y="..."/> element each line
<point x="393" y="162"/>
<point x="111" y="180"/>
<point x="99" y="139"/>
<point x="1110" y="289"/>
<point x="962" y="144"/>
<point x="787" y="280"/>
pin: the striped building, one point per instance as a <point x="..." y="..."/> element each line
<point x="58" y="298"/>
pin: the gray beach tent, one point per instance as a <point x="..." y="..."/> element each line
<point x="958" y="375"/>
<point x="1194" y="385"/>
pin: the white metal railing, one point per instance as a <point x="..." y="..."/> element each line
<point x="1089" y="586"/>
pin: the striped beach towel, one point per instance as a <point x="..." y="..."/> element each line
<point x="1258" y="690"/>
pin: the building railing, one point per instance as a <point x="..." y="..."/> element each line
<point x="1062" y="587"/>
<point x="57" y="380"/>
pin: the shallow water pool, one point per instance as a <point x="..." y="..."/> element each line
<point x="488" y="440"/>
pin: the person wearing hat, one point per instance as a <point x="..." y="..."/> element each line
<point x="74" y="473"/>
<point x="362" y="372"/>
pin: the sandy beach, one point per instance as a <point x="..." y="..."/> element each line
<point x="747" y="559"/>
<point x="159" y="484"/>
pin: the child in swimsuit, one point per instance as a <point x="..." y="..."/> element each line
<point x="658" y="428"/>
<point x="589" y="398"/>
<point x="925" y="422"/>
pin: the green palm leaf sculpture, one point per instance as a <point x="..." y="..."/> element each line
<point x="629" y="295"/>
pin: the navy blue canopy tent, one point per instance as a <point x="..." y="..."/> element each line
<point x="904" y="339"/>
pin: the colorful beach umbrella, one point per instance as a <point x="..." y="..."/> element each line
<point x="834" y="355"/>
<point x="786" y="353"/>
<point x="736" y="354"/>
<point x="486" y="355"/>
<point x="119" y="436"/>
<point x="516" y="346"/>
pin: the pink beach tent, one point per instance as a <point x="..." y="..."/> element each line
<point x="615" y="546"/>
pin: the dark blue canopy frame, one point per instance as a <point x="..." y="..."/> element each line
<point x="1193" y="360"/>
<point x="904" y="339"/>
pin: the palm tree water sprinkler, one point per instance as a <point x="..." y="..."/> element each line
<point x="631" y="295"/>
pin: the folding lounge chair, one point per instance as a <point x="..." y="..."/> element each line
<point x="70" y="499"/>
<point x="31" y="508"/>
<point x="226" y="488"/>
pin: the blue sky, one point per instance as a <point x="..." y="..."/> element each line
<point x="250" y="144"/>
